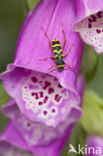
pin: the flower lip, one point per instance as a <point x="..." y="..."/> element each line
<point x="86" y="8"/>
<point x="66" y="84"/>
<point x="91" y="30"/>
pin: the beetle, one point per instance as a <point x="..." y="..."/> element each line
<point x="58" y="52"/>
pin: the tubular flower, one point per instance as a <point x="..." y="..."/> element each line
<point x="44" y="96"/>
<point x="89" y="22"/>
<point x="12" y="141"/>
<point x="95" y="146"/>
<point x="41" y="140"/>
<point x="41" y="96"/>
<point x="38" y="134"/>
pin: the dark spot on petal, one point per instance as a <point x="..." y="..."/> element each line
<point x="40" y="103"/>
<point x="41" y="94"/>
<point x="32" y="93"/>
<point x="45" y="112"/>
<point x="93" y="18"/>
<point x="89" y="25"/>
<point x="99" y="14"/>
<point x="59" y="85"/>
<point x="51" y="90"/>
<point x="45" y="99"/>
<point x="90" y="20"/>
<point x="53" y="110"/>
<point x="28" y="124"/>
<point x="55" y="79"/>
<point x="35" y="94"/>
<point x="47" y="84"/>
<point x="57" y="97"/>
<point x="98" y="31"/>
<point x="34" y="79"/>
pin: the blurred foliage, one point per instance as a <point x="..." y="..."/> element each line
<point x="92" y="119"/>
<point x="3" y="122"/>
<point x="12" y="15"/>
<point x="90" y="63"/>
<point x="4" y="97"/>
<point x="31" y="4"/>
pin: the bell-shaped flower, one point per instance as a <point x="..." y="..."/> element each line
<point x="37" y="134"/>
<point x="89" y="22"/>
<point x="22" y="135"/>
<point x="94" y="146"/>
<point x="12" y="142"/>
<point x="43" y="85"/>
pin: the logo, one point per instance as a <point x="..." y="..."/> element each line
<point x="85" y="150"/>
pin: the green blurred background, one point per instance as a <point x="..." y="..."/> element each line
<point x="12" y="15"/>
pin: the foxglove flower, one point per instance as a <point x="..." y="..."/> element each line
<point x="41" y="140"/>
<point x="38" y="134"/>
<point x="95" y="146"/>
<point x="11" y="141"/>
<point x="89" y="22"/>
<point x="46" y="98"/>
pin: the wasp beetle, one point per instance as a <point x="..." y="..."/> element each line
<point x="58" y="53"/>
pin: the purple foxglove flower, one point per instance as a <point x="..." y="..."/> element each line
<point x="14" y="140"/>
<point x="43" y="97"/>
<point x="89" y="22"/>
<point x="95" y="146"/>
<point x="41" y="140"/>
<point x="36" y="134"/>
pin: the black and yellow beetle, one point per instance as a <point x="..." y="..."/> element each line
<point x="58" y="53"/>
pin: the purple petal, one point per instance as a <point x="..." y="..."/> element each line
<point x="95" y="143"/>
<point x="33" y="44"/>
<point x="89" y="23"/>
<point x="13" y="140"/>
<point x="40" y="97"/>
<point x="39" y="134"/>
<point x="8" y="150"/>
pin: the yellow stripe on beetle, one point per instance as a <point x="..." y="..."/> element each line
<point x="56" y="45"/>
<point x="60" y="51"/>
<point x="61" y="65"/>
<point x="55" y="40"/>
<point x="55" y="51"/>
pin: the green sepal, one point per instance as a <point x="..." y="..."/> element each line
<point x="4" y="97"/>
<point x="31" y="4"/>
<point x="92" y="119"/>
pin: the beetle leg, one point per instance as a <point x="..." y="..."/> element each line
<point x="47" y="59"/>
<point x="68" y="66"/>
<point x="47" y="37"/>
<point x="52" y="66"/>
<point x="64" y="36"/>
<point x="69" y="51"/>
